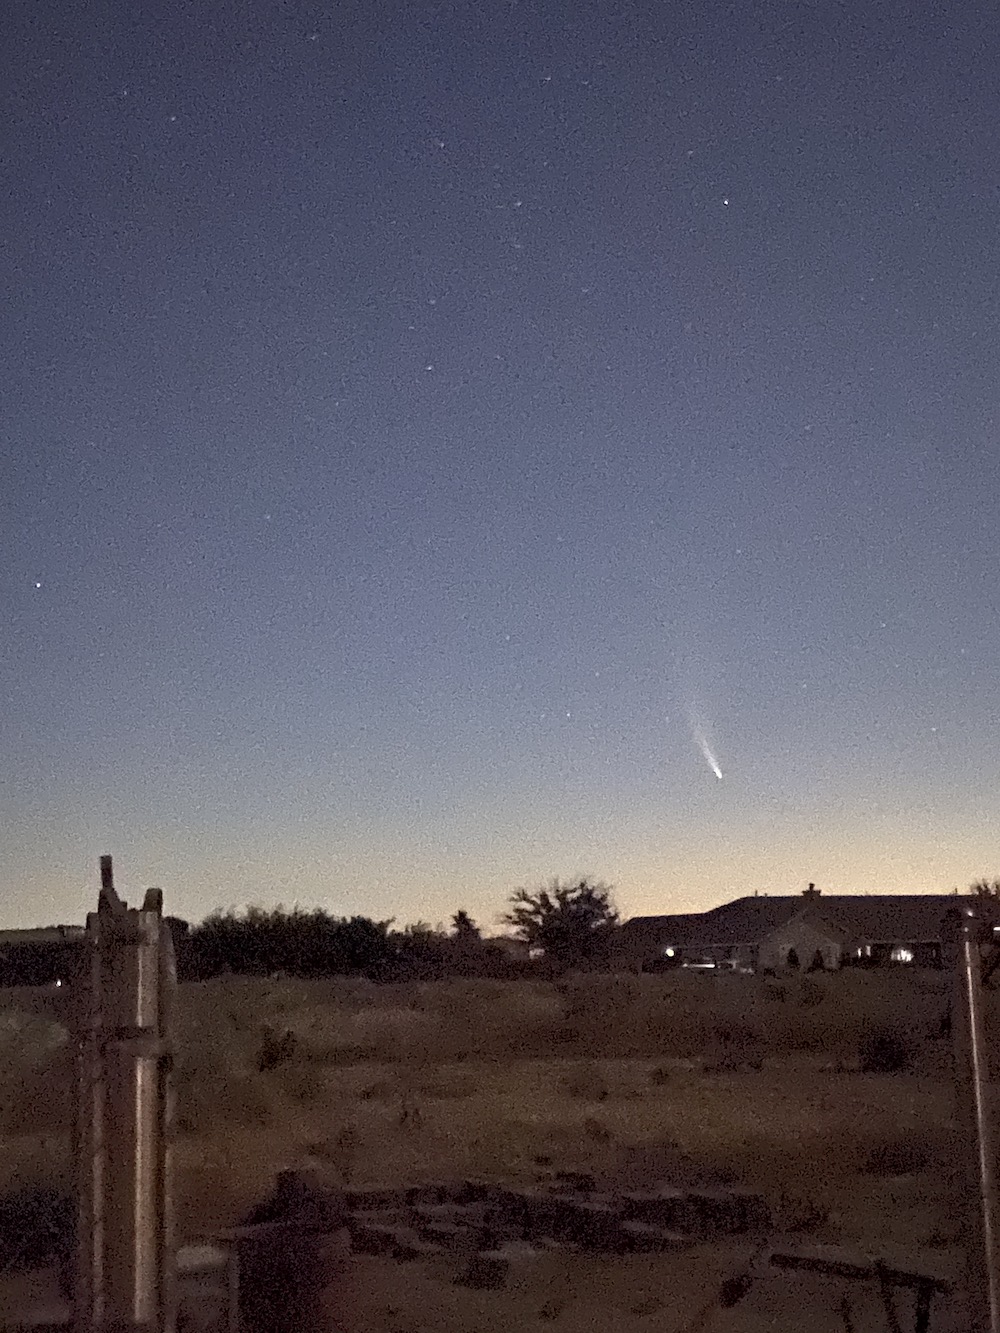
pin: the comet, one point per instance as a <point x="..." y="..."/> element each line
<point x="701" y="740"/>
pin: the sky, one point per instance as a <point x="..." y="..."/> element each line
<point x="436" y="439"/>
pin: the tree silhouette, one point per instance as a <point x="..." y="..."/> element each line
<point x="571" y="924"/>
<point x="259" y="942"/>
<point x="463" y="927"/>
<point x="984" y="888"/>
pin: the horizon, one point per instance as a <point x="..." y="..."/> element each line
<point x="490" y="930"/>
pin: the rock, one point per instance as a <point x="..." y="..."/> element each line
<point x="285" y="1257"/>
<point x="393" y="1217"/>
<point x="449" y="1235"/>
<point x="368" y="1200"/>
<point x="593" y="1222"/>
<point x="536" y="1212"/>
<point x="471" y="1191"/>
<point x="581" y="1182"/>
<point x="505" y="1198"/>
<point x="400" y="1242"/>
<point x="643" y="1238"/>
<point x="487" y="1271"/>
<point x="441" y="1194"/>
<point x="727" y="1211"/>
<point x="470" y="1215"/>
<point x="662" y="1206"/>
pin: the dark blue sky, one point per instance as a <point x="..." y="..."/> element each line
<point x="423" y="425"/>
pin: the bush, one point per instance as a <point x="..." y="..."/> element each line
<point x="275" y="1049"/>
<point x="37" y="1091"/>
<point x="811" y="993"/>
<point x="901" y="1155"/>
<point x="884" y="1051"/>
<point x="37" y="1227"/>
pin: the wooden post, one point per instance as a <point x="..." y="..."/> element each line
<point x="125" y="1246"/>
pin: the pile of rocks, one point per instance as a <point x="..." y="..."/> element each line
<point x="493" y="1224"/>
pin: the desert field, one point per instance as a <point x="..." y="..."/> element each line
<point x="689" y="1079"/>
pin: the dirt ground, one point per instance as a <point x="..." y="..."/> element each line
<point x="571" y="1295"/>
<point x="739" y="1084"/>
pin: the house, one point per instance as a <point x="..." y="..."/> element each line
<point x="808" y="930"/>
<point x="40" y="956"/>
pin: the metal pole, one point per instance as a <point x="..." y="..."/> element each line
<point x="973" y="1114"/>
<point x="89" y="1145"/>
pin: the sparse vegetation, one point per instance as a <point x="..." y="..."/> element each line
<point x="407" y="1081"/>
<point x="900" y="1155"/>
<point x="885" y="1051"/>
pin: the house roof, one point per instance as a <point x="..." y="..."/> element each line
<point x="871" y="917"/>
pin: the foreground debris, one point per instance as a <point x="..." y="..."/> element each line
<point x="568" y="1212"/>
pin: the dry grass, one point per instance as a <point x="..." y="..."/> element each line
<point x="671" y="1075"/>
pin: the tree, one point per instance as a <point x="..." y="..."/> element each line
<point x="259" y="942"/>
<point x="984" y="888"/>
<point x="463" y="928"/>
<point x="571" y="924"/>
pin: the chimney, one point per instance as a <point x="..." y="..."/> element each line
<point x="811" y="892"/>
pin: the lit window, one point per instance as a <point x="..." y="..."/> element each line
<point x="901" y="954"/>
<point x="670" y="952"/>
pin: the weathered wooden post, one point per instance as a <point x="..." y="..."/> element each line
<point x="124" y="1236"/>
<point x="972" y="1085"/>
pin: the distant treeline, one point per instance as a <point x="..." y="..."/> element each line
<point x="552" y="929"/>
<point x="297" y="943"/>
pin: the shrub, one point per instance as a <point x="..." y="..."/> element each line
<point x="37" y="1091"/>
<point x="275" y="1049"/>
<point x="884" y="1051"/>
<point x="811" y="993"/>
<point x="341" y="1151"/>
<point x="597" y="1131"/>
<point x="36" y="1229"/>
<point x="900" y="1155"/>
<point x="801" y="1215"/>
